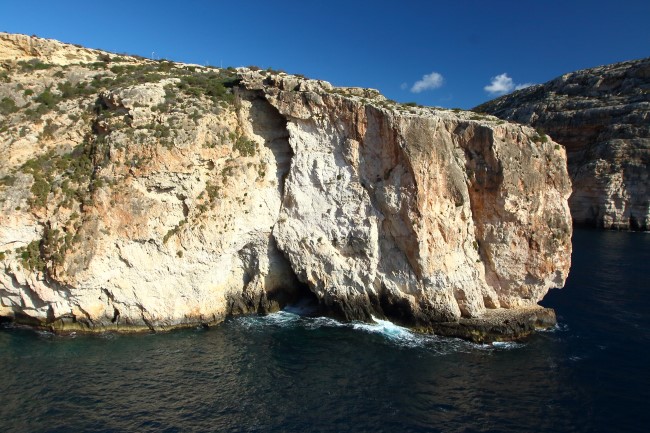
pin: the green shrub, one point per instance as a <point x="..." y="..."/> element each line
<point x="54" y="246"/>
<point x="49" y="130"/>
<point x="244" y="146"/>
<point x="97" y="65"/>
<point x="226" y="172"/>
<point x="118" y="69"/>
<point x="212" y="191"/>
<point x="40" y="191"/>
<point x="72" y="172"/>
<point x="7" y="106"/>
<point x="165" y="65"/>
<point x="47" y="99"/>
<point x="31" y="256"/>
<point x="8" y="180"/>
<point x="174" y="231"/>
<point x="211" y="85"/>
<point x="33" y="65"/>
<point x="540" y="136"/>
<point x="68" y="90"/>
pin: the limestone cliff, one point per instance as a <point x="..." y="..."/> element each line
<point x="602" y="117"/>
<point x="152" y="194"/>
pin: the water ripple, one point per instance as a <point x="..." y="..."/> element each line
<point x="287" y="372"/>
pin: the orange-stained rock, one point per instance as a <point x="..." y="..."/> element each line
<point x="602" y="116"/>
<point x="147" y="195"/>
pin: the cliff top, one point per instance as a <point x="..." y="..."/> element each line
<point x="34" y="53"/>
<point x="602" y="86"/>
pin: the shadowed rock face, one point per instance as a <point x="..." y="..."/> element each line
<point x="602" y="117"/>
<point x="139" y="194"/>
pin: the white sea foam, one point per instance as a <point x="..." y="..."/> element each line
<point x="282" y="318"/>
<point x="390" y="332"/>
<point x="394" y="333"/>
<point x="559" y="327"/>
<point x="322" y="322"/>
<point x="389" y="329"/>
<point x="507" y="345"/>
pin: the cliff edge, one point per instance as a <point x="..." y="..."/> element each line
<point x="151" y="194"/>
<point x="602" y="116"/>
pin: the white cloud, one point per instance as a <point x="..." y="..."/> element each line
<point x="428" y="82"/>
<point x="502" y="84"/>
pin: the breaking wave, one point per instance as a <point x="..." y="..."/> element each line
<point x="384" y="331"/>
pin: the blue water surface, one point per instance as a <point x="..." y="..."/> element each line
<point x="287" y="373"/>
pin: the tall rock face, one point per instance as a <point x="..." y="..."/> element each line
<point x="140" y="194"/>
<point x="602" y="117"/>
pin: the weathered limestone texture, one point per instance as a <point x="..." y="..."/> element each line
<point x="139" y="194"/>
<point x="602" y="117"/>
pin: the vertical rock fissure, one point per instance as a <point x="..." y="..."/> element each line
<point x="216" y="192"/>
<point x="285" y="287"/>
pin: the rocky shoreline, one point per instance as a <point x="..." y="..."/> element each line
<point x="140" y="194"/>
<point x="499" y="325"/>
<point x="494" y="326"/>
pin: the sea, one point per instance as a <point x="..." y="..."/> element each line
<point x="286" y="372"/>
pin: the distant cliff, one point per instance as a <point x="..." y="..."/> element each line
<point x="149" y="195"/>
<point x="602" y="117"/>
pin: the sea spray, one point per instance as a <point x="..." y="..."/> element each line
<point x="385" y="331"/>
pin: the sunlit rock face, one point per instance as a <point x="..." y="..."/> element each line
<point x="140" y="194"/>
<point x="602" y="117"/>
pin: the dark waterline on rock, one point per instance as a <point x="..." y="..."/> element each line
<point x="289" y="373"/>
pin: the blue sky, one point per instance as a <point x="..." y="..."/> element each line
<point x="434" y="53"/>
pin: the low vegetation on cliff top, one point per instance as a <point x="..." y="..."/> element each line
<point x="43" y="100"/>
<point x="65" y="178"/>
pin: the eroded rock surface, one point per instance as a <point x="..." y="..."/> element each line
<point x="602" y="117"/>
<point x="139" y="194"/>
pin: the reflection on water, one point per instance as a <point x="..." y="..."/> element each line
<point x="290" y="373"/>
